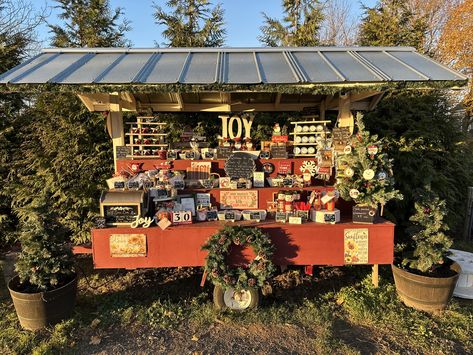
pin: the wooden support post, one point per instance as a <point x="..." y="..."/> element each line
<point x="375" y="275"/>
<point x="322" y="109"/>
<point x="115" y="125"/>
<point x="345" y="117"/>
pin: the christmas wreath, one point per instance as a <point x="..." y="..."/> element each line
<point x="252" y="276"/>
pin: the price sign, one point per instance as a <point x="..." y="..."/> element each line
<point x="182" y="217"/>
<point x="172" y="155"/>
<point x="285" y="167"/>
<point x="264" y="154"/>
<point x="190" y="155"/>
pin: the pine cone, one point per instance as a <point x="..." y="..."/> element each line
<point x="237" y="241"/>
<point x="251" y="282"/>
<point x="221" y="241"/>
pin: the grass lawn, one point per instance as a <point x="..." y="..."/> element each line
<point x="165" y="311"/>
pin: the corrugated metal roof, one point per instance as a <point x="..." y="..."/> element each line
<point x="229" y="66"/>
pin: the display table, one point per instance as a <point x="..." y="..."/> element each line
<point x="305" y="244"/>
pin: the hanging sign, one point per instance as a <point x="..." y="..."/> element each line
<point x="127" y="245"/>
<point x="355" y="246"/>
<point x="240" y="165"/>
<point x="239" y="199"/>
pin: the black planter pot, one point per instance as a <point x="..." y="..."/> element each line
<point x="38" y="310"/>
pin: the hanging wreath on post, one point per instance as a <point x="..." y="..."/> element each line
<point x="239" y="278"/>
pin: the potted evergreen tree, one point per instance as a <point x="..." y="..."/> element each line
<point x="44" y="290"/>
<point x="425" y="278"/>
<point x="365" y="175"/>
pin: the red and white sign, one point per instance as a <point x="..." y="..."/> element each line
<point x="285" y="167"/>
<point x="279" y="139"/>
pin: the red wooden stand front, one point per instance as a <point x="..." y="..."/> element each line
<point x="306" y="244"/>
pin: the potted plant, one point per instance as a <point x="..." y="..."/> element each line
<point x="365" y="175"/>
<point x="44" y="290"/>
<point x="426" y="278"/>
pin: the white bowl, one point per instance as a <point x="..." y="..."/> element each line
<point x="305" y="139"/>
<point x="304" y="150"/>
<point x="311" y="139"/>
<point x="305" y="128"/>
<point x="297" y="150"/>
<point x="312" y="128"/>
<point x="298" y="129"/>
<point x="311" y="150"/>
<point x="298" y="139"/>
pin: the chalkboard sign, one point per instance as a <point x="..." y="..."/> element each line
<point x="172" y="155"/>
<point x="122" y="151"/>
<point x="264" y="154"/>
<point x="240" y="165"/>
<point x="364" y="214"/>
<point x="119" y="185"/>
<point x="305" y="215"/>
<point x="120" y="214"/>
<point x="147" y="184"/>
<point x="281" y="217"/>
<point x="133" y="185"/>
<point x="287" y="182"/>
<point x="209" y="155"/>
<point x="100" y="222"/>
<point x="161" y="193"/>
<point x="279" y="152"/>
<point x="329" y="218"/>
<point x="212" y="215"/>
<point x="224" y="152"/>
<point x="179" y="184"/>
<point x="255" y="216"/>
<point x="230" y="215"/>
<point x="190" y="155"/>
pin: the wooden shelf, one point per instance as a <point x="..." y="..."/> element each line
<point x="146" y="145"/>
<point x="305" y="155"/>
<point x="306" y="122"/>
<point x="146" y="134"/>
<point x="147" y="123"/>
<point x="306" y="133"/>
<point x="299" y="144"/>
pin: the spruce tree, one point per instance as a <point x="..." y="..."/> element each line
<point x="18" y="20"/>
<point x="89" y="23"/>
<point x="65" y="151"/>
<point x="391" y="23"/>
<point x="191" y="23"/>
<point x="430" y="243"/>
<point x="298" y="28"/>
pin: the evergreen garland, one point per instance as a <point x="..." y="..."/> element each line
<point x="359" y="187"/>
<point x="255" y="274"/>
<point x="431" y="244"/>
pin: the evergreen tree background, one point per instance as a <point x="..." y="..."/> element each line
<point x="18" y="21"/>
<point x="191" y="23"/>
<point x="422" y="134"/>
<point x="391" y="23"/>
<point x="298" y="28"/>
<point x="64" y="151"/>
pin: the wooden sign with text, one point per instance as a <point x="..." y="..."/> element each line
<point x="239" y="200"/>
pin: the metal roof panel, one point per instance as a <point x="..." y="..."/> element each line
<point x="126" y="69"/>
<point x="435" y="71"/>
<point x="88" y="72"/>
<point x="390" y="66"/>
<point x="275" y="69"/>
<point x="240" y="68"/>
<point x="315" y="68"/>
<point x="49" y="69"/>
<point x="349" y="67"/>
<point x="201" y="68"/>
<point x="167" y="69"/>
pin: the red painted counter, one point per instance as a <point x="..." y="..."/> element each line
<point x="306" y="244"/>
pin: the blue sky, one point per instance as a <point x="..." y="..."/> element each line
<point x="243" y="18"/>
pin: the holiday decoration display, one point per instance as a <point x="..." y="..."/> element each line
<point x="256" y="274"/>
<point x="147" y="138"/>
<point x="309" y="136"/>
<point x="367" y="160"/>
